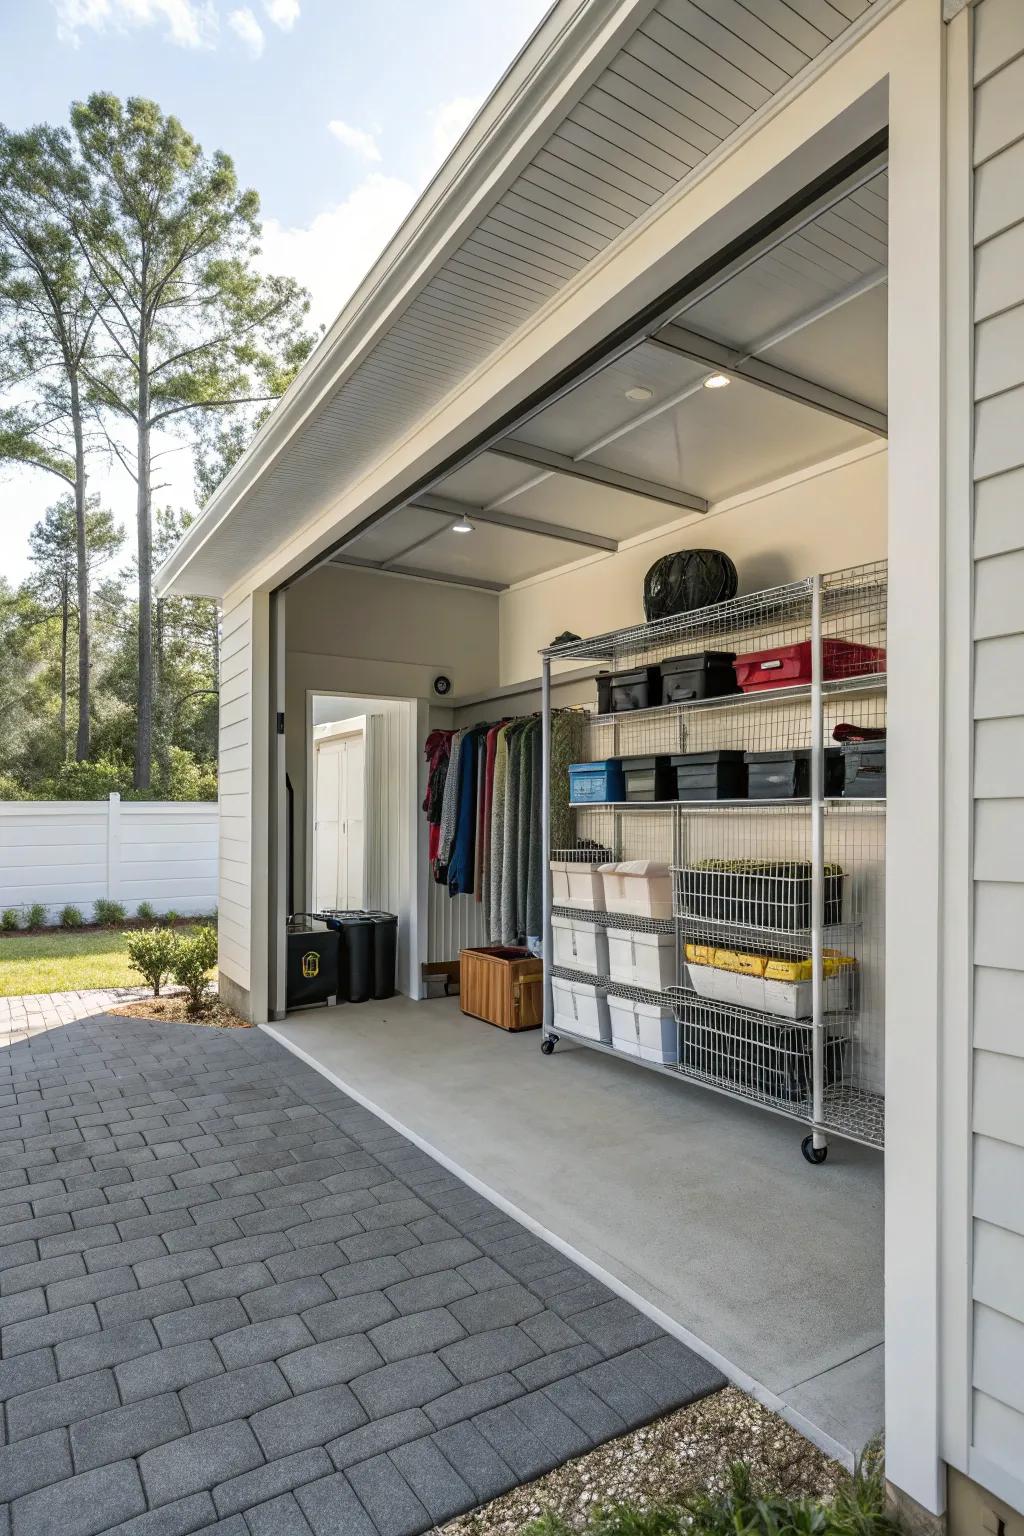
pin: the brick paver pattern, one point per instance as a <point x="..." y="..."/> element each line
<point x="232" y="1299"/>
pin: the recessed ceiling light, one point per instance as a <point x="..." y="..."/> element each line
<point x="639" y="392"/>
<point x="717" y="381"/>
<point x="463" y="526"/>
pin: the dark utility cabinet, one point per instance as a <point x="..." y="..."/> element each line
<point x="618" y="692"/>
<point x="706" y="675"/>
<point x="787" y="775"/>
<point x="710" y="776"/>
<point x="648" y="778"/>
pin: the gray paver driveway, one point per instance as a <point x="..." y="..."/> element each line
<point x="232" y="1299"/>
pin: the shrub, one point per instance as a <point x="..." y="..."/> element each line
<point x="151" y="953"/>
<point x="9" y="921"/>
<point x="71" y="916"/>
<point x="108" y="912"/>
<point x="35" y="915"/>
<point x="170" y="916"/>
<point x="146" y="911"/>
<point x="195" y="954"/>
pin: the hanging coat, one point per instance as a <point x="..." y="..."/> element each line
<point x="449" y="810"/>
<point x="531" y="730"/>
<point x="484" y="884"/>
<point x="510" y="839"/>
<point x="460" y="864"/>
<point x="568" y="737"/>
<point x="497" y="850"/>
<point x="533" y="918"/>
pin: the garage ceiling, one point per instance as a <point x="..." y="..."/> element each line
<point x="799" y="331"/>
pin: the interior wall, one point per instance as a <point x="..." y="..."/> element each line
<point x="825" y="520"/>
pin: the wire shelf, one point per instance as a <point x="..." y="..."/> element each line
<point x="743" y="871"/>
<point x="617" y="988"/>
<point x="626" y="921"/>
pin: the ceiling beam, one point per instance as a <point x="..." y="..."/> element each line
<point x="597" y="474"/>
<point x="742" y="365"/>
<point x="500" y="519"/>
<point x="479" y="583"/>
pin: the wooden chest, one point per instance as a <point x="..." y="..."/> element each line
<point x="503" y="986"/>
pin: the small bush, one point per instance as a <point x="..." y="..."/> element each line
<point x="108" y="912"/>
<point x="35" y="915"/>
<point x="151" y="952"/>
<point x="146" y="911"/>
<point x="170" y="916"/>
<point x="71" y="916"/>
<point x="194" y="955"/>
<point x="9" y="920"/>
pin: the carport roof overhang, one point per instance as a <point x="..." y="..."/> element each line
<point x="614" y="111"/>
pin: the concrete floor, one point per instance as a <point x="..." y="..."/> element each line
<point x="703" y="1207"/>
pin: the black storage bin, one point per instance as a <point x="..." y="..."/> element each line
<point x="706" y="675"/>
<point x="385" y="949"/>
<point x="864" y="769"/>
<point x="648" y="778"/>
<point x="311" y="965"/>
<point x="714" y="889"/>
<point x="787" y="775"/>
<point x="355" y="939"/>
<point x="618" y="692"/>
<point x="710" y="776"/>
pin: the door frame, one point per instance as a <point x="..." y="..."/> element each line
<point x="355" y="725"/>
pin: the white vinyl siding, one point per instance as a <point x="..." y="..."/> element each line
<point x="235" y="794"/>
<point x="997" y="1284"/>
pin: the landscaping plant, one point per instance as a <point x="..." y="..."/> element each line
<point x="71" y="916"/>
<point x="35" y="915"/>
<point x="858" y="1509"/>
<point x="146" y="912"/>
<point x="107" y="913"/>
<point x="151" y="953"/>
<point x="194" y="955"/>
<point x="9" y="920"/>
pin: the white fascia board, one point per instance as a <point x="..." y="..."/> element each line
<point x="559" y="62"/>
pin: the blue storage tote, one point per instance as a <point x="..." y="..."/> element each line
<point x="591" y="783"/>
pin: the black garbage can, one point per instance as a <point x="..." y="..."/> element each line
<point x="355" y="939"/>
<point x="385" y="948"/>
<point x="312" y="965"/>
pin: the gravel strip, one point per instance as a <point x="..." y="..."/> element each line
<point x="677" y="1455"/>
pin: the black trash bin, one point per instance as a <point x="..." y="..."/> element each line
<point x="355" y="941"/>
<point x="385" y="948"/>
<point x="312" y="964"/>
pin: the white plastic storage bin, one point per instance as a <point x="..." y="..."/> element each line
<point x="642" y="959"/>
<point x="644" y="1030"/>
<point x="783" y="999"/>
<point x="581" y="1008"/>
<point x="640" y="887"/>
<point x="579" y="945"/>
<point x="577" y="885"/>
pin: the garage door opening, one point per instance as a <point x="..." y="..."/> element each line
<point x="750" y="419"/>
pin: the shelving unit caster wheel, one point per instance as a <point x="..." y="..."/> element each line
<point x="812" y="1153"/>
<point x="548" y="1044"/>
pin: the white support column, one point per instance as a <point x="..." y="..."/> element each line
<point x="113" y="845"/>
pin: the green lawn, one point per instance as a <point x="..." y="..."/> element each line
<point x="64" y="962"/>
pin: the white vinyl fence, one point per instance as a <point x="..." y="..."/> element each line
<point x="76" y="851"/>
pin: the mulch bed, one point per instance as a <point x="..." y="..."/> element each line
<point x="664" y="1462"/>
<point x="172" y="1009"/>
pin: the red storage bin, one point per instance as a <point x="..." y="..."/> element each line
<point x="784" y="666"/>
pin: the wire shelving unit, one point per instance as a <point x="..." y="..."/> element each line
<point x="792" y="880"/>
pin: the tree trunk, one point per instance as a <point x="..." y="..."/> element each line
<point x="82" y="575"/>
<point x="144" y="724"/>
<point x="162" y="750"/>
<point x="64" y="605"/>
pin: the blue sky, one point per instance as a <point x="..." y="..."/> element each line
<point x="336" y="111"/>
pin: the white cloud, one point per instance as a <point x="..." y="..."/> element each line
<point x="187" y="23"/>
<point x="356" y="139"/>
<point x="333" y="254"/>
<point x="448" y="123"/>
<point x="283" y="13"/>
<point x="245" y="26"/>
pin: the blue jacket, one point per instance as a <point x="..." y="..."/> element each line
<point x="460" y="865"/>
